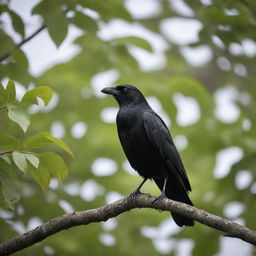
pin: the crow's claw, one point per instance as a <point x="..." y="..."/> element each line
<point x="159" y="198"/>
<point x="133" y="195"/>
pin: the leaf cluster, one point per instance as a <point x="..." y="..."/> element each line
<point x="21" y="153"/>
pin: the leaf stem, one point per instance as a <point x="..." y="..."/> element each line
<point x="6" y="152"/>
<point x="21" y="151"/>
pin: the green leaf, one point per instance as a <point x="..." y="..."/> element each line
<point x="8" y="142"/>
<point x="17" y="23"/>
<point x="40" y="174"/>
<point x="6" y="167"/>
<point x="11" y="91"/>
<point x="84" y="22"/>
<point x="43" y="139"/>
<point x="39" y="140"/>
<point x="55" y="165"/>
<point x="9" y="190"/>
<point x="34" y="160"/>
<point x="7" y="44"/>
<point x="58" y="30"/>
<point x="62" y="145"/>
<point x="17" y="69"/>
<point x="136" y="41"/>
<point x="21" y="61"/>
<point x="20" y="160"/>
<point x="44" y="92"/>
<point x="54" y="18"/>
<point x="6" y="159"/>
<point x="19" y="117"/>
<point x="3" y="95"/>
<point x="109" y="9"/>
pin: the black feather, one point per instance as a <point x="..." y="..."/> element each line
<point x="149" y="147"/>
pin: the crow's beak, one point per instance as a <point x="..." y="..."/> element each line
<point x="110" y="90"/>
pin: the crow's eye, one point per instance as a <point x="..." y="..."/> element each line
<point x="124" y="90"/>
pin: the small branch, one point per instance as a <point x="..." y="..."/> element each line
<point x="103" y="213"/>
<point x="21" y="151"/>
<point x="5" y="152"/>
<point x="31" y="36"/>
<point x="4" y="57"/>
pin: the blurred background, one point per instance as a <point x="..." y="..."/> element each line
<point x="193" y="60"/>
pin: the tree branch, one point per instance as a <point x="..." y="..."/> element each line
<point x="103" y="213"/>
<point x="4" y="57"/>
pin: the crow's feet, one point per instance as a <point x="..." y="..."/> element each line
<point x="159" y="198"/>
<point x="132" y="196"/>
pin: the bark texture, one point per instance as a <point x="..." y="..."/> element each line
<point x="106" y="212"/>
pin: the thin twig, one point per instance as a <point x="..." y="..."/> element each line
<point x="4" y="57"/>
<point x="106" y="212"/>
<point x="6" y="152"/>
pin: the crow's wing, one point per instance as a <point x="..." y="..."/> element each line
<point x="160" y="138"/>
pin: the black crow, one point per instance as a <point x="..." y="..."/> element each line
<point x="149" y="147"/>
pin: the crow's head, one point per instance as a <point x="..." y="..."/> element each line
<point x="125" y="94"/>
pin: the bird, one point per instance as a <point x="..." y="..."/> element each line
<point x="149" y="147"/>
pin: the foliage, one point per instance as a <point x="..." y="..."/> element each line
<point x="15" y="152"/>
<point x="226" y="28"/>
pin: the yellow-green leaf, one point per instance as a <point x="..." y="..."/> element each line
<point x="8" y="142"/>
<point x="6" y="159"/>
<point x="43" y="139"/>
<point x="4" y="164"/>
<point x="6" y="167"/>
<point x="19" y="117"/>
<point x="34" y="160"/>
<point x="20" y="160"/>
<point x="40" y="174"/>
<point x="43" y="92"/>
<point x="39" y="140"/>
<point x="62" y="145"/>
<point x="11" y="91"/>
<point x="55" y="165"/>
<point x="3" y="95"/>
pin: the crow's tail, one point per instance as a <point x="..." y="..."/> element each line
<point x="176" y="192"/>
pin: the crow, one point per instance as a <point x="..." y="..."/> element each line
<point x="149" y="148"/>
